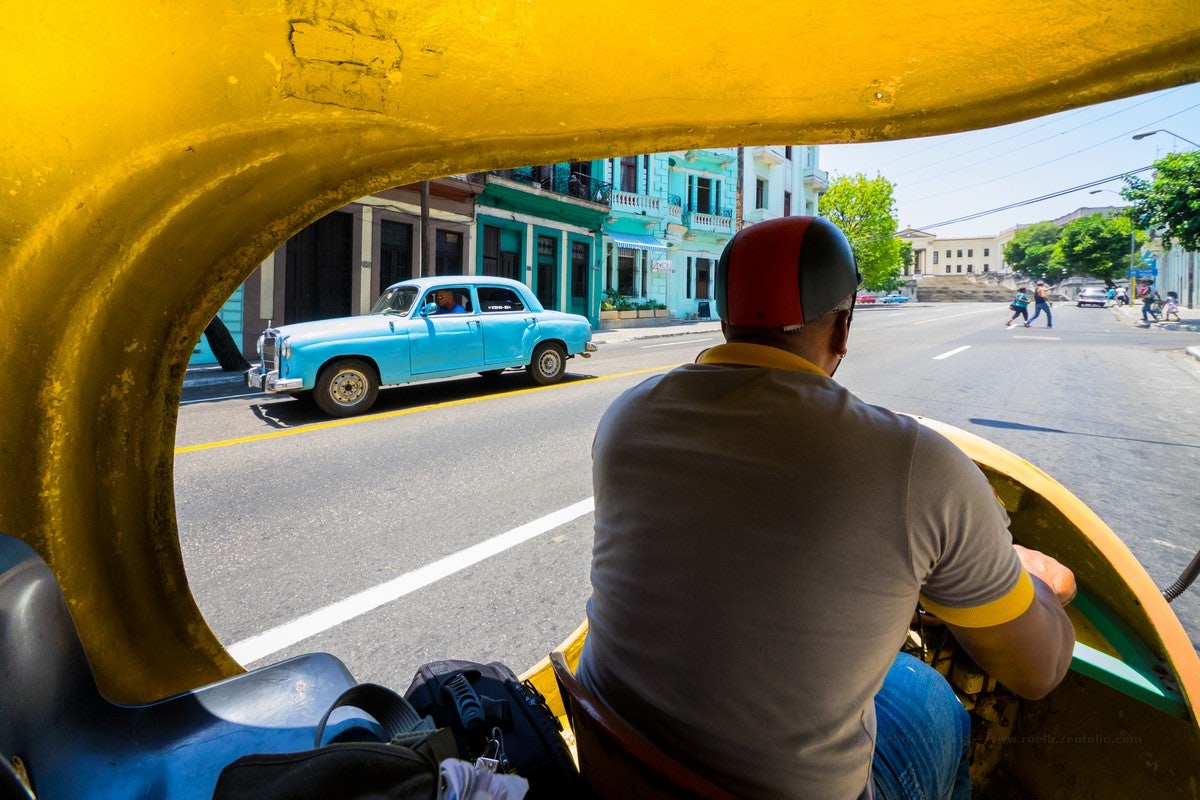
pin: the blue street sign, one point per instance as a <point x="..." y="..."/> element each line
<point x="1143" y="273"/>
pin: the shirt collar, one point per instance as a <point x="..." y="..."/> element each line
<point x="757" y="355"/>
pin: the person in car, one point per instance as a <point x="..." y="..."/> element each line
<point x="447" y="302"/>
<point x="762" y="538"/>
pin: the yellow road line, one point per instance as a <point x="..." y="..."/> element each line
<point x="336" y="423"/>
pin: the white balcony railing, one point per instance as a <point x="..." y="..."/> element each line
<point x="636" y="203"/>
<point x="708" y="222"/>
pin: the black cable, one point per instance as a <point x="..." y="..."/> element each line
<point x="1183" y="581"/>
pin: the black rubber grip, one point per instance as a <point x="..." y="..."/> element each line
<point x="466" y="702"/>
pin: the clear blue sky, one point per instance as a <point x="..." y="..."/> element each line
<point x="941" y="178"/>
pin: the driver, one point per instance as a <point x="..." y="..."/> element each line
<point x="762" y="538"/>
<point x="447" y="302"/>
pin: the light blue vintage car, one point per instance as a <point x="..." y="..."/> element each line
<point x="417" y="330"/>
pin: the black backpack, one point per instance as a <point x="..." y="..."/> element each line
<point x="485" y="705"/>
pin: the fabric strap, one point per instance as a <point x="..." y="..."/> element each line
<point x="390" y="710"/>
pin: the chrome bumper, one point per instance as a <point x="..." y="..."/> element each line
<point x="588" y="349"/>
<point x="270" y="382"/>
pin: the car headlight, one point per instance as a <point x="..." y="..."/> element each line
<point x="285" y="348"/>
<point x="260" y="346"/>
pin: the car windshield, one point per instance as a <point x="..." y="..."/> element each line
<point x="395" y="299"/>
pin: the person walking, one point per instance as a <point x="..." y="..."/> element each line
<point x="749" y="624"/>
<point x="1019" y="306"/>
<point x="1041" y="302"/>
<point x="1171" y="307"/>
<point x="1149" y="298"/>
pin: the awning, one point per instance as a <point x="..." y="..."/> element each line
<point x="637" y="241"/>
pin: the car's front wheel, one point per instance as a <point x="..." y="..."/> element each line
<point x="346" y="387"/>
<point x="548" y="365"/>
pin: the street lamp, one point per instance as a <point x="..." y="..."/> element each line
<point x="1132" y="240"/>
<point x="1144" y="134"/>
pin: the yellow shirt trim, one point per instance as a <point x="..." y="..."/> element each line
<point x="757" y="355"/>
<point x="997" y="612"/>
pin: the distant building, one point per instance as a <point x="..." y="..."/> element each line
<point x="952" y="256"/>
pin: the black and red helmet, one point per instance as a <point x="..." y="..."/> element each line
<point x="784" y="272"/>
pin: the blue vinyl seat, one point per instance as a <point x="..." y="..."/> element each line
<point x="74" y="743"/>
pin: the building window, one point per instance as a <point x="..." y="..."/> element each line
<point x="629" y="174"/>
<point x="949" y="254"/>
<point x="947" y="269"/>
<point x="935" y="255"/>
<point x="970" y="267"/>
<point x="631" y="170"/>
<point x="960" y="256"/>
<point x="627" y="271"/>
<point x="703" y="277"/>
<point x="448" y="253"/>
<point x="985" y="267"/>
<point x="760" y="193"/>
<point x="787" y="204"/>
<point x="970" y="253"/>
<point x="987" y="251"/>
<point x="501" y="252"/>
<point x="787" y="152"/>
<point x="958" y="268"/>
<point x="395" y="253"/>
<point x="704" y="193"/>
<point x="547" y="268"/>
<point x="579" y="269"/>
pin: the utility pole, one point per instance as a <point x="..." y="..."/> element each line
<point x="738" y="194"/>
<point x="426" y="271"/>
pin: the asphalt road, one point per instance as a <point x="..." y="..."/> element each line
<point x="455" y="520"/>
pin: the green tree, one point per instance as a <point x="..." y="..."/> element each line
<point x="1096" y="245"/>
<point x="864" y="210"/>
<point x="1170" y="202"/>
<point x="1031" y="248"/>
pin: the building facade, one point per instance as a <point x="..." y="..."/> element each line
<point x="645" y="228"/>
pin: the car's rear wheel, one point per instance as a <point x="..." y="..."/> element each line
<point x="548" y="365"/>
<point x="346" y="387"/>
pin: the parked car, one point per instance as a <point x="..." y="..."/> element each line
<point x="484" y="325"/>
<point x="1092" y="296"/>
<point x="865" y="298"/>
<point x="894" y="298"/>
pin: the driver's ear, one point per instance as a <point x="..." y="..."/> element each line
<point x="841" y="333"/>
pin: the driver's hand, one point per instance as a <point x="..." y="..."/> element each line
<point x="1055" y="575"/>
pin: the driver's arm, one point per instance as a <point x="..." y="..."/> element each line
<point x="1031" y="653"/>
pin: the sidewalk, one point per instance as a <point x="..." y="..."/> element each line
<point x="1131" y="315"/>
<point x="210" y="375"/>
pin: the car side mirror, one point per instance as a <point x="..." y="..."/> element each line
<point x="429" y="308"/>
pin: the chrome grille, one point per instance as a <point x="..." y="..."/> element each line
<point x="270" y="353"/>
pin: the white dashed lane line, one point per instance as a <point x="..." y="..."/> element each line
<point x="953" y="352"/>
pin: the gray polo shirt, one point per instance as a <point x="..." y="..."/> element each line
<point x="761" y="540"/>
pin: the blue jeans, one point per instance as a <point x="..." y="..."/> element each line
<point x="1041" y="306"/>
<point x="922" y="736"/>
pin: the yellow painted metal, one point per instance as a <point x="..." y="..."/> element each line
<point x="1047" y="517"/>
<point x="155" y="152"/>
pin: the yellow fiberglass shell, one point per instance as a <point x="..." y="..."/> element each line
<point x="153" y="153"/>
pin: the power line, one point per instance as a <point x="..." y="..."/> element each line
<point x="979" y="214"/>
